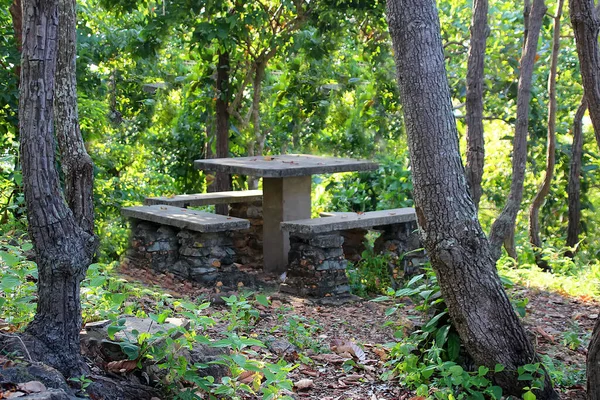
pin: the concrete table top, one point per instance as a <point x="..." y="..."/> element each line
<point x="283" y="166"/>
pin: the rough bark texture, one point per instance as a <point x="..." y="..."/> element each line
<point x="222" y="180"/>
<point x="574" y="187"/>
<point x="63" y="249"/>
<point x="457" y="247"/>
<point x="540" y="197"/>
<point x="593" y="364"/>
<point x="586" y="25"/>
<point x="505" y="223"/>
<point x="76" y="164"/>
<point x="257" y="145"/>
<point x="474" y="103"/>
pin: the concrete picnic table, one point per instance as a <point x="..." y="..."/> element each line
<point x="286" y="191"/>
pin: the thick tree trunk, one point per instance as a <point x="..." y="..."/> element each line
<point x="586" y="25"/>
<point x="76" y="164"/>
<point x="540" y="197"/>
<point x="474" y="103"/>
<point x="593" y="364"/>
<point x="505" y="223"/>
<point x="574" y="187"/>
<point x="63" y="249"/>
<point x="457" y="247"/>
<point x="222" y="180"/>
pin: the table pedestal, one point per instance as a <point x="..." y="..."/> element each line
<point x="284" y="199"/>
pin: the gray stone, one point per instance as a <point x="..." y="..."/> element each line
<point x="185" y="219"/>
<point x="194" y="251"/>
<point x="181" y="269"/>
<point x="325" y="241"/>
<point x="43" y="373"/>
<point x="162" y="246"/>
<point x="143" y="325"/>
<point x="254" y="212"/>
<point x="195" y="272"/>
<point x="332" y="265"/>
<point x="344" y="222"/>
<point x="205" y="199"/>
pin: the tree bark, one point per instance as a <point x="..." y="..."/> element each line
<point x="505" y="223"/>
<point x="63" y="249"/>
<point x="540" y="197"/>
<point x="76" y="164"/>
<point x="16" y="11"/>
<point x="457" y="247"/>
<point x="259" y="136"/>
<point x="586" y="25"/>
<point x="222" y="180"/>
<point x="593" y="364"/>
<point x="474" y="102"/>
<point x="574" y="186"/>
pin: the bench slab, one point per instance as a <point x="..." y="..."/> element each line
<point x="345" y="221"/>
<point x="185" y="219"/>
<point x="206" y="199"/>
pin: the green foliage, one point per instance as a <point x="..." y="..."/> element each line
<point x="371" y="274"/>
<point x="301" y="331"/>
<point x="17" y="284"/>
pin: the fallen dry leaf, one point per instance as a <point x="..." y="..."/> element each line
<point x="343" y="347"/>
<point x="121" y="366"/>
<point x="32" y="387"/>
<point x="14" y="395"/>
<point x="544" y="334"/>
<point x="248" y="377"/>
<point x="304" y="384"/>
<point x="381" y="353"/>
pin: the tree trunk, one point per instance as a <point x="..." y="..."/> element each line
<point x="574" y="189"/>
<point x="593" y="364"/>
<point x="16" y="11"/>
<point x="457" y="247"/>
<point x="586" y="25"/>
<point x="76" y="164"/>
<point x="474" y="103"/>
<point x="540" y="197"/>
<point x="257" y="144"/>
<point x="505" y="223"/>
<point x="222" y="180"/>
<point x="63" y="249"/>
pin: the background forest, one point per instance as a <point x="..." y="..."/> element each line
<point x="313" y="77"/>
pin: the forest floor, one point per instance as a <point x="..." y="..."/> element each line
<point x="558" y="325"/>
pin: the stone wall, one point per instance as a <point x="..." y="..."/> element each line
<point x="248" y="243"/>
<point x="187" y="254"/>
<point x="401" y="242"/>
<point x="317" y="267"/>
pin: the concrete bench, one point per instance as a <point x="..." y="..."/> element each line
<point x="246" y="204"/>
<point x="207" y="199"/>
<point x="316" y="260"/>
<point x="192" y="244"/>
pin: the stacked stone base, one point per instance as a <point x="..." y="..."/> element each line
<point x="402" y="243"/>
<point x="317" y="267"/>
<point x="192" y="255"/>
<point x="248" y="243"/>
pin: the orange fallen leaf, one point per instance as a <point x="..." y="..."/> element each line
<point x="121" y="366"/>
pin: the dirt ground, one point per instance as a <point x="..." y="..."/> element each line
<point x="553" y="321"/>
